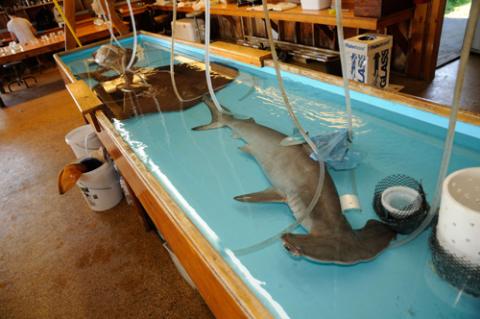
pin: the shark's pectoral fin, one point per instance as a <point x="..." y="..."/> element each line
<point x="270" y="195"/>
<point x="344" y="247"/>
<point x="210" y="126"/>
<point x="290" y="141"/>
<point x="295" y="139"/>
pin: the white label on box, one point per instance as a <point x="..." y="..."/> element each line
<point x="369" y="61"/>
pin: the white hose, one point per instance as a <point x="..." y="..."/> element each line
<point x="207" y="57"/>
<point x="206" y="62"/>
<point x="109" y="24"/>
<point x="341" y="45"/>
<point x="135" y="40"/>
<point x="447" y="150"/>
<point x="172" y="58"/>
<point x="321" y="177"/>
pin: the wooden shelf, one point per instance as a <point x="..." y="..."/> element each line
<point x="86" y="32"/>
<point x="306" y="16"/>
<point x="37" y="5"/>
<point x="312" y="16"/>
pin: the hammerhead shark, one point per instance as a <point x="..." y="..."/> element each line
<point x="294" y="177"/>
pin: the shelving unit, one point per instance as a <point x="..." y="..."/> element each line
<point x="37" y="5"/>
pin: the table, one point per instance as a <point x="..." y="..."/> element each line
<point x="124" y="12"/>
<point x="86" y="31"/>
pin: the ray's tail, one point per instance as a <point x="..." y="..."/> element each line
<point x="219" y="119"/>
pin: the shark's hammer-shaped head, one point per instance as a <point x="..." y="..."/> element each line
<point x="292" y="245"/>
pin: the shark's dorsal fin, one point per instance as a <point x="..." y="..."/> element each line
<point x="270" y="195"/>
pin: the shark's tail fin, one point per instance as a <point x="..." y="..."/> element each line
<point x="341" y="247"/>
<point x="218" y="118"/>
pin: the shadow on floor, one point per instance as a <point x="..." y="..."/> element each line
<point x="48" y="81"/>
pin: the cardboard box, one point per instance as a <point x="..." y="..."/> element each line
<point x="368" y="59"/>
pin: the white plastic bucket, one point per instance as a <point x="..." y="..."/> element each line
<point x="101" y="187"/>
<point x="397" y="199"/>
<point x="83" y="140"/>
<point x="315" y="4"/>
<point x="458" y="228"/>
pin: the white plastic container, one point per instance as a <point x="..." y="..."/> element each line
<point x="397" y="199"/>
<point x="315" y="4"/>
<point x="83" y="140"/>
<point x="101" y="187"/>
<point x="458" y="228"/>
<point x="186" y="29"/>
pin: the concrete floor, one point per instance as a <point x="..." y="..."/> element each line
<point x="440" y="90"/>
<point x="451" y="41"/>
<point x="453" y="31"/>
<point x="58" y="259"/>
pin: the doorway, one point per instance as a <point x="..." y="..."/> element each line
<point x="453" y="31"/>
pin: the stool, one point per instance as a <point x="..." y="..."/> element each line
<point x="160" y="21"/>
<point x="18" y="71"/>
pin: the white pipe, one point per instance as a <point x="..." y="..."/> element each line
<point x="452" y="122"/>
<point x="110" y="28"/>
<point x="341" y="45"/>
<point x="135" y="40"/>
<point x="172" y="58"/>
<point x="207" y="57"/>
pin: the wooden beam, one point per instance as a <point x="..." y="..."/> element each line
<point x="435" y="25"/>
<point x="86" y="101"/>
<point x="69" y="10"/>
<point x="117" y="22"/>
<point x="418" y="30"/>
<point x="241" y="53"/>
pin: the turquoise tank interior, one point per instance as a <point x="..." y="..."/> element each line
<point x="204" y="171"/>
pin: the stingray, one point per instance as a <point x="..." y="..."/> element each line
<point x="145" y="90"/>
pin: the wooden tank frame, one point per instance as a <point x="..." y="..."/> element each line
<point x="221" y="288"/>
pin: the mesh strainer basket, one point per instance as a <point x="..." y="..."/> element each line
<point x="400" y="202"/>
<point x="460" y="272"/>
